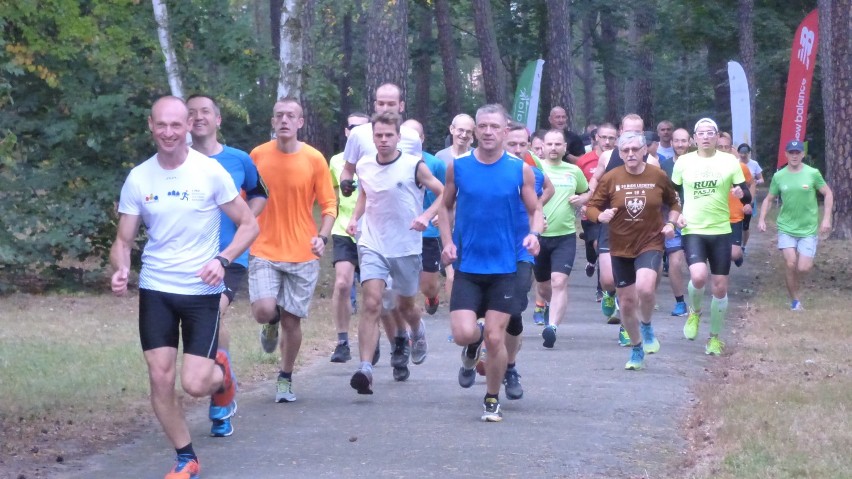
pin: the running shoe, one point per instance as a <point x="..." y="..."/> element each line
<point x="649" y="340"/>
<point x="549" y="336"/>
<point x="431" y="305"/>
<point x="796" y="305"/>
<point x="400" y="353"/>
<point x="377" y="353"/>
<point x="185" y="467"/>
<point x="362" y="381"/>
<point x="608" y="304"/>
<point x="284" y="390"/>
<point x="637" y="359"/>
<point x="466" y="377"/>
<point x="538" y="315"/>
<point x="401" y="374"/>
<point x="623" y="337"/>
<point x="714" y="346"/>
<point x="218" y="413"/>
<point x="419" y="348"/>
<point x="680" y="309"/>
<point x="221" y="428"/>
<point x="341" y="353"/>
<point x="225" y="395"/>
<point x="472" y="352"/>
<point x="590" y="269"/>
<point x="598" y="296"/>
<point x="269" y="337"/>
<point x="491" y="410"/>
<point x="690" y="329"/>
<point x="511" y="380"/>
<point x="739" y="262"/>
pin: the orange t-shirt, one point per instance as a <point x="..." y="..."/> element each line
<point x="734" y="204"/>
<point x="295" y="181"/>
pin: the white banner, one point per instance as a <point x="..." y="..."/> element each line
<point x="740" y="107"/>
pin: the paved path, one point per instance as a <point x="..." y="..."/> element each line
<point x="582" y="414"/>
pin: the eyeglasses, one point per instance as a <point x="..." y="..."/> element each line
<point x="705" y="134"/>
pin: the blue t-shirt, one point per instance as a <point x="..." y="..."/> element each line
<point x="487" y="204"/>
<point x="439" y="170"/>
<point x="523" y="226"/>
<point x="239" y="165"/>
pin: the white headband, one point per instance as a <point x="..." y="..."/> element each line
<point x="707" y="121"/>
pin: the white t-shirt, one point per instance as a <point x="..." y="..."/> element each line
<point x="180" y="209"/>
<point x="668" y="152"/>
<point x="394" y="200"/>
<point x="755" y="168"/>
<point x="360" y="143"/>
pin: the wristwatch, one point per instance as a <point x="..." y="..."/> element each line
<point x="536" y="234"/>
<point x="223" y="260"/>
<point x="323" y="238"/>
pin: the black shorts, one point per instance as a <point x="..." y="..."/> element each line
<point x="591" y="230"/>
<point x="624" y="269"/>
<point x="715" y="248"/>
<point x="737" y="234"/>
<point x="483" y="292"/>
<point x="523" y="284"/>
<point x="431" y="255"/>
<point x="746" y="222"/>
<point x="603" y="238"/>
<point x="345" y="249"/>
<point x="555" y="256"/>
<point x="235" y="278"/>
<point x="166" y="317"/>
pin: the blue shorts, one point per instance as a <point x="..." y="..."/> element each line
<point x="676" y="243"/>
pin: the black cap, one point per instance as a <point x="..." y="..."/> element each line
<point x="744" y="148"/>
<point x="795" y="145"/>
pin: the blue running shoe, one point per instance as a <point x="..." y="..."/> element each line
<point x="219" y="413"/>
<point x="680" y="309"/>
<point x="222" y="428"/>
<point x="608" y="304"/>
<point x="796" y="305"/>
<point x="186" y="467"/>
<point x="623" y="337"/>
<point x="649" y="341"/>
<point x="538" y="315"/>
<point x="549" y="336"/>
<point x="637" y="359"/>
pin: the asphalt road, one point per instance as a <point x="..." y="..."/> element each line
<point x="582" y="414"/>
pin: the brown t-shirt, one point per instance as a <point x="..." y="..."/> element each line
<point x="636" y="226"/>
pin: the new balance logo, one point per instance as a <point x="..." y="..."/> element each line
<point x="806" y="46"/>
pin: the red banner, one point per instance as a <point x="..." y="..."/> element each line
<point x="799" y="80"/>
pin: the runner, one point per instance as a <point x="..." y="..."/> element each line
<point x="205" y="118"/>
<point x="631" y="198"/>
<point x="390" y="211"/>
<point x="665" y="129"/>
<point x="483" y="246"/>
<point x="737" y="209"/>
<point x="178" y="193"/>
<point x="558" y="242"/>
<point x="674" y="246"/>
<point x="284" y="266"/>
<point x="461" y="130"/>
<point x="345" y="260"/>
<point x="707" y="177"/>
<point x="798" y="230"/>
<point x="744" y="152"/>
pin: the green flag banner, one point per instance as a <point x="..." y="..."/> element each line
<point x="525" y="106"/>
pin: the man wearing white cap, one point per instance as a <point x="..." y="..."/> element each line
<point x="707" y="177"/>
<point x="797" y="185"/>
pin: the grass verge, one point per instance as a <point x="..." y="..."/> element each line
<point x="779" y="405"/>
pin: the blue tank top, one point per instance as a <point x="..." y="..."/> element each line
<point x="487" y="205"/>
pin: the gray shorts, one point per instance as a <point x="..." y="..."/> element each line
<point x="291" y="284"/>
<point x="805" y="246"/>
<point x="405" y="270"/>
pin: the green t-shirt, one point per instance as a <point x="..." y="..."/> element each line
<point x="568" y="180"/>
<point x="706" y="185"/>
<point x="799" y="214"/>
<point x="345" y="206"/>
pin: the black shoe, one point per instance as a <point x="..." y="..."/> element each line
<point x="513" y="384"/>
<point x="590" y="269"/>
<point x="362" y="381"/>
<point x="467" y="377"/>
<point x="401" y="374"/>
<point x="400" y="353"/>
<point x="341" y="353"/>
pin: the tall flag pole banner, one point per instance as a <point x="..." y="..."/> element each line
<point x="740" y="105"/>
<point x="525" y="106"/>
<point x="799" y="80"/>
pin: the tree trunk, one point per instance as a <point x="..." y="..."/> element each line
<point x="275" y="26"/>
<point x="387" y="45"/>
<point x="606" y="48"/>
<point x="290" y="58"/>
<point x="345" y="82"/>
<point x="161" y="16"/>
<point x="422" y="69"/>
<point x="746" y="20"/>
<point x="558" y="59"/>
<point x="717" y="75"/>
<point x="645" y="22"/>
<point x="452" y="77"/>
<point x="493" y="72"/>
<point x="588" y="78"/>
<point x="313" y="132"/>
<point x="835" y="44"/>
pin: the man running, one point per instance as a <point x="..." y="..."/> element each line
<point x="179" y="194"/>
<point x="461" y="130"/>
<point x="665" y="129"/>
<point x="707" y="177"/>
<point x="631" y="198"/>
<point x="284" y="267"/>
<point x="798" y="230"/>
<point x="483" y="247"/>
<point x="674" y="245"/>
<point x="744" y="152"/>
<point x="390" y="239"/>
<point x="205" y="117"/>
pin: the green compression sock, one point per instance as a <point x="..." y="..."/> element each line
<point x="696" y="296"/>
<point x="718" y="311"/>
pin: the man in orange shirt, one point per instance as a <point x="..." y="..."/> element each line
<point x="284" y="267"/>
<point x="737" y="208"/>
